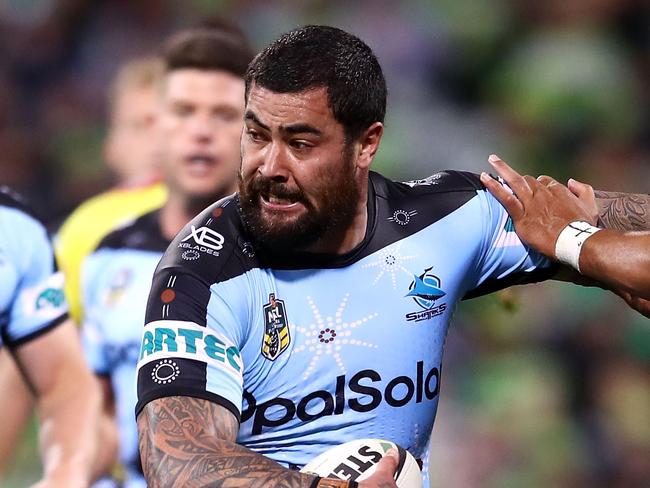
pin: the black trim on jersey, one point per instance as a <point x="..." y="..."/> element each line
<point x="194" y="297"/>
<point x="522" y="278"/>
<point x="9" y="198"/>
<point x="13" y="344"/>
<point x="188" y="392"/>
<point x="143" y="233"/>
<point x="222" y="217"/>
<point x="191" y="381"/>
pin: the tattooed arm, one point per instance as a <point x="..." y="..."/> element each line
<point x="191" y="442"/>
<point x="620" y="256"/>
<point x="623" y="211"/>
<point x="188" y="441"/>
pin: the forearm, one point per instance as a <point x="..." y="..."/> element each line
<point x="68" y="431"/>
<point x="177" y="451"/>
<point x="621" y="261"/>
<point x="623" y="211"/>
<point x="107" y="454"/>
<point x="16" y="405"/>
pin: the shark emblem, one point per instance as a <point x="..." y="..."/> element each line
<point x="425" y="289"/>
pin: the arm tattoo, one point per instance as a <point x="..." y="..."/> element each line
<point x="191" y="442"/>
<point x="623" y="211"/>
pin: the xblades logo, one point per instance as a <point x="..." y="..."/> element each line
<point x="398" y="392"/>
<point x="425" y="290"/>
<point x="206" y="239"/>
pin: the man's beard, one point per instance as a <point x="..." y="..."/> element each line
<point x="337" y="198"/>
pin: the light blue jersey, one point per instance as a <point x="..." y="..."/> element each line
<point x="310" y="351"/>
<point x="31" y="289"/>
<point x="116" y="279"/>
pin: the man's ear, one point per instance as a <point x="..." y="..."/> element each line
<point x="368" y="144"/>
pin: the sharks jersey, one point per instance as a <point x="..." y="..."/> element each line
<point x="310" y="351"/>
<point x="31" y="289"/>
<point x="115" y="284"/>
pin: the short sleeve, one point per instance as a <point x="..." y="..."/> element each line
<point x="504" y="260"/>
<point x="39" y="303"/>
<point x="185" y="353"/>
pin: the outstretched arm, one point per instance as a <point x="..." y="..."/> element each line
<point x="191" y="442"/>
<point x="542" y="208"/>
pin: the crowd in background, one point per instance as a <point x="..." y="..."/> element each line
<point x="545" y="385"/>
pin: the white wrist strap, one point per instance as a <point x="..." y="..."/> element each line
<point x="569" y="242"/>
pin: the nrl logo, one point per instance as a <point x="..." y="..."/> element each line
<point x="276" y="329"/>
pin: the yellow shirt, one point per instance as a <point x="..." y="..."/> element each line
<point x="90" y="223"/>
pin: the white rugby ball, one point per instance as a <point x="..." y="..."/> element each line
<point x="356" y="460"/>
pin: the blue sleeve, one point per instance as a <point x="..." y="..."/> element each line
<point x="191" y="344"/>
<point x="504" y="260"/>
<point x="92" y="332"/>
<point x="38" y="303"/>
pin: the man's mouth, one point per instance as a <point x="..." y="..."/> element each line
<point x="200" y="164"/>
<point x="275" y="202"/>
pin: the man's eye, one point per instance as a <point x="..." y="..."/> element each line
<point x="254" y="135"/>
<point x="300" y="144"/>
<point x="182" y="110"/>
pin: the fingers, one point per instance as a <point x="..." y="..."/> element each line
<point x="514" y="180"/>
<point x="586" y="195"/>
<point x="509" y="201"/>
<point x="387" y="465"/>
<point x="639" y="304"/>
<point x="581" y="190"/>
<point x="547" y="181"/>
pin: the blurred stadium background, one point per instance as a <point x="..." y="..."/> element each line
<point x="547" y="385"/>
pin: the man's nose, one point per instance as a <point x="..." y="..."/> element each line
<point x="201" y="129"/>
<point x="274" y="166"/>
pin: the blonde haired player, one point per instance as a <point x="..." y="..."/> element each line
<point x="130" y="151"/>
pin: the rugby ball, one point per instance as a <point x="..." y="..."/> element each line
<point x="356" y="460"/>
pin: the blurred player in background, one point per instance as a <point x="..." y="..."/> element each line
<point x="130" y="151"/>
<point x="544" y="212"/>
<point x="35" y="327"/>
<point x="312" y="307"/>
<point x="201" y="113"/>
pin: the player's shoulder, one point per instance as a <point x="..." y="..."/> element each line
<point x="414" y="205"/>
<point x="447" y="181"/>
<point x="141" y="234"/>
<point x="19" y="216"/>
<point x="213" y="246"/>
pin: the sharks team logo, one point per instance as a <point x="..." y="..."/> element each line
<point x="276" y="329"/>
<point x="425" y="291"/>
